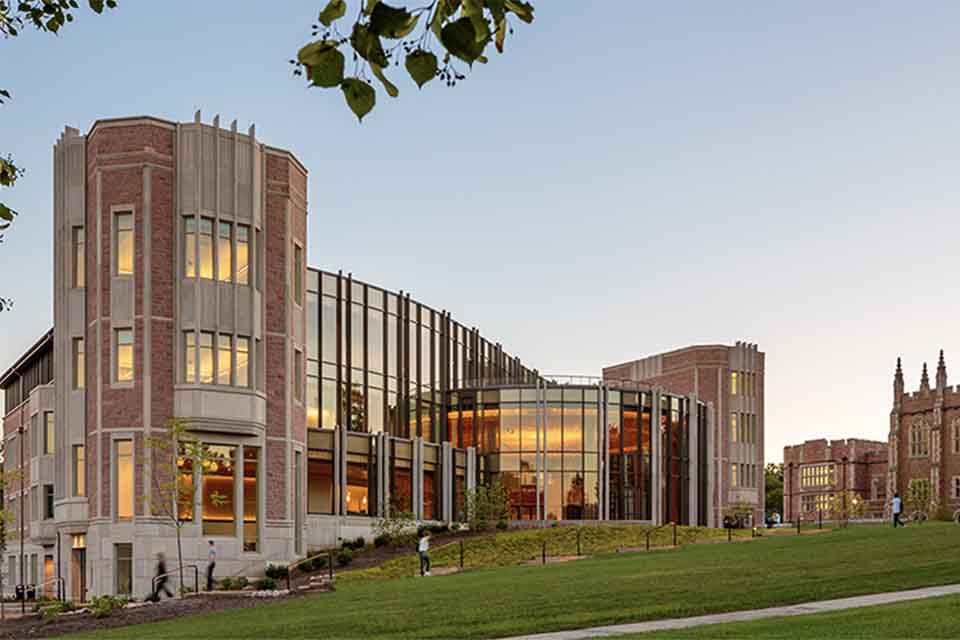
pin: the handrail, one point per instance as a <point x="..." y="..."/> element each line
<point x="196" y="578"/>
<point x="61" y="586"/>
<point x="328" y="551"/>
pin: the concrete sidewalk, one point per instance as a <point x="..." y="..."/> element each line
<point x="755" y="614"/>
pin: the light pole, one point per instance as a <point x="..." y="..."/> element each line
<point x="20" y="501"/>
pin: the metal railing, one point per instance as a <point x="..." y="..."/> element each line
<point x="309" y="560"/>
<point x="196" y="578"/>
<point x="61" y="587"/>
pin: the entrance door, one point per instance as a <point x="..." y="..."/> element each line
<point x="78" y="574"/>
<point x="49" y="573"/>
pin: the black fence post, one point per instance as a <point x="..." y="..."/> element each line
<point x="820" y="523"/>
<point x="674" y="534"/>
<point x="578" y="542"/>
<point x="330" y="564"/>
<point x="729" y="534"/>
<point x="543" y="553"/>
<point x="461" y="554"/>
<point x="798" y="525"/>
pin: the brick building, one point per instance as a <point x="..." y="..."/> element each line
<point x="731" y="378"/>
<point x="817" y="469"/>
<point x="925" y="442"/>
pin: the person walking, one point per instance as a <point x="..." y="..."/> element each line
<point x="897" y="508"/>
<point x="161" y="578"/>
<point x="423" y="549"/>
<point x="211" y="564"/>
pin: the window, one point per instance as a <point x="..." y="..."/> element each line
<point x="956" y="435"/>
<point x="956" y="487"/>
<point x="298" y="375"/>
<point x="190" y="247"/>
<point x="817" y="475"/>
<point x="123" y="243"/>
<point x="243" y="362"/>
<point x="187" y="488"/>
<point x="225" y="252"/>
<point x="124" y="479"/>
<point x="48" y="502"/>
<point x="79" y="471"/>
<point x="733" y="427"/>
<point x="123" y="350"/>
<point x="224" y="359"/>
<point x="320" y="481"/>
<point x="243" y="254"/>
<point x="189" y="356"/>
<point x="49" y="433"/>
<point x="733" y="475"/>
<point x="206" y="248"/>
<point x="918" y="492"/>
<point x="79" y="364"/>
<point x="298" y="274"/>
<point x="79" y="255"/>
<point x="919" y="438"/>
<point x="206" y="357"/>
<point x="218" y="492"/>
<point x="733" y="383"/>
<point x="251" y="461"/>
<point x="123" y="568"/>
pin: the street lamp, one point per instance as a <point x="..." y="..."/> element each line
<point x="20" y="501"/>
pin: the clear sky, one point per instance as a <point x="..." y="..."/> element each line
<point x="629" y="177"/>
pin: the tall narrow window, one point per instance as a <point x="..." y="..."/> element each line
<point x="733" y="427"/>
<point x="189" y="356"/>
<point x="733" y="383"/>
<point x="124" y="477"/>
<point x="243" y="254"/>
<point x="123" y="243"/>
<point x="49" y="433"/>
<point x="298" y="375"/>
<point x="225" y="252"/>
<point x="79" y="364"/>
<point x="206" y="358"/>
<point x="218" y="492"/>
<point x="251" y="461"/>
<point x="79" y="471"/>
<point x="224" y="359"/>
<point x="243" y="362"/>
<point x="187" y="487"/>
<point x="79" y="255"/>
<point x="123" y="568"/>
<point x="190" y="247"/>
<point x="733" y="475"/>
<point x="48" y="502"/>
<point x="124" y="355"/>
<point x="298" y="274"/>
<point x="206" y="248"/>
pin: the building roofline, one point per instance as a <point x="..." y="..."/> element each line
<point x="673" y="352"/>
<point x="45" y="339"/>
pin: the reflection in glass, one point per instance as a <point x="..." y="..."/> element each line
<point x="375" y="340"/>
<point x="313" y="325"/>
<point x="375" y="410"/>
<point x="218" y="491"/>
<point x="225" y="252"/>
<point x="190" y="356"/>
<point x="243" y="362"/>
<point x="123" y="227"/>
<point x="243" y="254"/>
<point x="328" y="329"/>
<point x="206" y="248"/>
<point x="328" y="406"/>
<point x="251" y="491"/>
<point x="206" y="358"/>
<point x="186" y="495"/>
<point x="224" y="359"/>
<point x="320" y="482"/>
<point x="124" y="466"/>
<point x="356" y="336"/>
<point x="124" y="346"/>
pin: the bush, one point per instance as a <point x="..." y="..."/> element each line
<point x="241" y="582"/>
<point x="54" y="609"/>
<point x="102" y="606"/>
<point x="319" y="562"/>
<point x="502" y="525"/>
<point x="487" y="505"/>
<point x="305" y="566"/>
<point x="380" y="541"/>
<point x="226" y="584"/>
<point x="276" y="571"/>
<point x="359" y="543"/>
<point x="437" y="528"/>
<point x="265" y="584"/>
<point x="345" y="557"/>
<point x="455" y="526"/>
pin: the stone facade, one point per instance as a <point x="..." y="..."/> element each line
<point x="731" y="378"/>
<point x="817" y="469"/>
<point x="924" y="443"/>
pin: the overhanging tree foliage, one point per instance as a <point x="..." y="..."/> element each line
<point x="459" y="30"/>
<point x="43" y="15"/>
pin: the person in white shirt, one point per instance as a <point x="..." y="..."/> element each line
<point x="423" y="549"/>
<point x="897" y="508"/>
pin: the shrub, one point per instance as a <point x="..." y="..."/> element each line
<point x="265" y="584"/>
<point x="437" y="528"/>
<point x="359" y="543"/>
<point x="102" y="606"/>
<point x="399" y="525"/>
<point x="380" y="541"/>
<point x="319" y="562"/>
<point x="54" y="609"/>
<point x="276" y="571"/>
<point x="455" y="526"/>
<point x="502" y="525"/>
<point x="344" y="557"/>
<point x="487" y="505"/>
<point x="306" y="565"/>
<point x="226" y="584"/>
<point x="241" y="582"/>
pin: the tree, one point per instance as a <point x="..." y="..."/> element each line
<point x="773" y="483"/>
<point x="918" y="501"/>
<point x="44" y="15"/>
<point x="174" y="453"/>
<point x="844" y="505"/>
<point x="7" y="477"/>
<point x="460" y="29"/>
<point x="736" y="514"/>
<point x="487" y="505"/>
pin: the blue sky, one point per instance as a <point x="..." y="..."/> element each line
<point x="622" y="181"/>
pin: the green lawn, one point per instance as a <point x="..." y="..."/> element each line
<point x="929" y="618"/>
<point x="609" y="589"/>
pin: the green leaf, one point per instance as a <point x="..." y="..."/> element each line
<point x="391" y="88"/>
<point x="367" y="45"/>
<point x="97" y="5"/>
<point x="498" y="9"/>
<point x="460" y="38"/>
<point x="422" y="66"/>
<point x="445" y="9"/>
<point x="327" y="70"/>
<point x="333" y="11"/>
<point x="391" y="22"/>
<point x="309" y="54"/>
<point x="501" y="34"/>
<point x="473" y="9"/>
<point x="523" y="10"/>
<point x="360" y="96"/>
<point x="7" y="213"/>
<point x="368" y="9"/>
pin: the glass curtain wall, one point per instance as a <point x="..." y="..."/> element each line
<point x="380" y="361"/>
<point x="628" y="421"/>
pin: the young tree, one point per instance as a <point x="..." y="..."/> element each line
<point x="844" y="505"/>
<point x="399" y="522"/>
<point x="7" y="478"/>
<point x="736" y="514"/>
<point x="487" y="505"/>
<point x="773" y="482"/>
<point x="174" y="453"/>
<point x="918" y="501"/>
<point x="459" y="30"/>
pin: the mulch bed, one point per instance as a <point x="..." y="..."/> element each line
<point x="34" y="627"/>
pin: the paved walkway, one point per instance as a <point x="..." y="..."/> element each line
<point x="756" y="614"/>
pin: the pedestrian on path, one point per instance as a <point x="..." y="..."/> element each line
<point x="162" y="578"/>
<point x="897" y="508"/>
<point x="211" y="564"/>
<point x="423" y="549"/>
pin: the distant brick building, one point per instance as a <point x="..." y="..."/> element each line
<point x="732" y="379"/>
<point x="925" y="440"/>
<point x="817" y="469"/>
